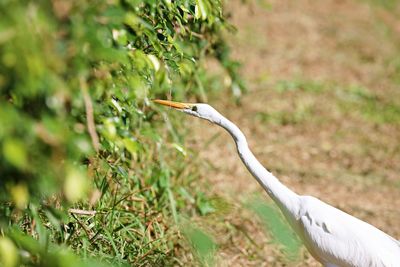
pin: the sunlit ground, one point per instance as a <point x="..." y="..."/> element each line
<point x="322" y="113"/>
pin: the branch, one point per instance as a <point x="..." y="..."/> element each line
<point x="89" y="115"/>
<point x="82" y="212"/>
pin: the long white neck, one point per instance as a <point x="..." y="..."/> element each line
<point x="287" y="200"/>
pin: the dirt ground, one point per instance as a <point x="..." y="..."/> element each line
<point x="322" y="113"/>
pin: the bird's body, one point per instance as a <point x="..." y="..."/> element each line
<point x="332" y="236"/>
<point x="336" y="238"/>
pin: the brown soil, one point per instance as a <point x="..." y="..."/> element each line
<point x="334" y="151"/>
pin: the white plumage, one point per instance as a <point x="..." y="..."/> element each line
<point x="332" y="236"/>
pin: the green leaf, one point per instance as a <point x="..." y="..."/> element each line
<point x="131" y="145"/>
<point x="202" y="243"/>
<point x="8" y="253"/>
<point x="14" y="151"/>
<point x="24" y="241"/>
<point x="203" y="204"/>
<point x="19" y="194"/>
<point x="180" y="149"/>
<point x="75" y="184"/>
<point x="201" y="10"/>
<point x="277" y="226"/>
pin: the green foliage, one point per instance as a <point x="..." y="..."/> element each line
<point x="276" y="225"/>
<point x="202" y="243"/>
<point x="76" y="129"/>
<point x="47" y="256"/>
<point x="369" y="105"/>
<point x="387" y="4"/>
<point x="300" y="84"/>
<point x="204" y="205"/>
<point x="350" y="99"/>
<point x="302" y="113"/>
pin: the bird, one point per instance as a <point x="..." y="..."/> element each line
<point x="332" y="236"/>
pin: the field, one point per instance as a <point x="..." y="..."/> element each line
<point x="322" y="112"/>
<point x="93" y="173"/>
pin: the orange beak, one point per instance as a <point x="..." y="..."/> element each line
<point x="172" y="104"/>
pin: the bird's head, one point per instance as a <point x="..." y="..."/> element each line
<point x="199" y="110"/>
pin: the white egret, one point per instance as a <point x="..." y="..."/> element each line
<point x="332" y="236"/>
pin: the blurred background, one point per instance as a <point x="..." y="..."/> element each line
<point x="322" y="112"/>
<point x="92" y="173"/>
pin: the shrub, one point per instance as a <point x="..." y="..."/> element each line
<point x="76" y="79"/>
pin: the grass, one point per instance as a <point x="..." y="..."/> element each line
<point x="350" y="99"/>
<point x="370" y="106"/>
<point x="324" y="119"/>
<point x="322" y="113"/>
<point x="134" y="223"/>
<point x="387" y="4"/>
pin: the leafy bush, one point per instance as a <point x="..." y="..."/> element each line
<point x="77" y="131"/>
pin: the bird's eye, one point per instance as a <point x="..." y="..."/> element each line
<point x="194" y="108"/>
